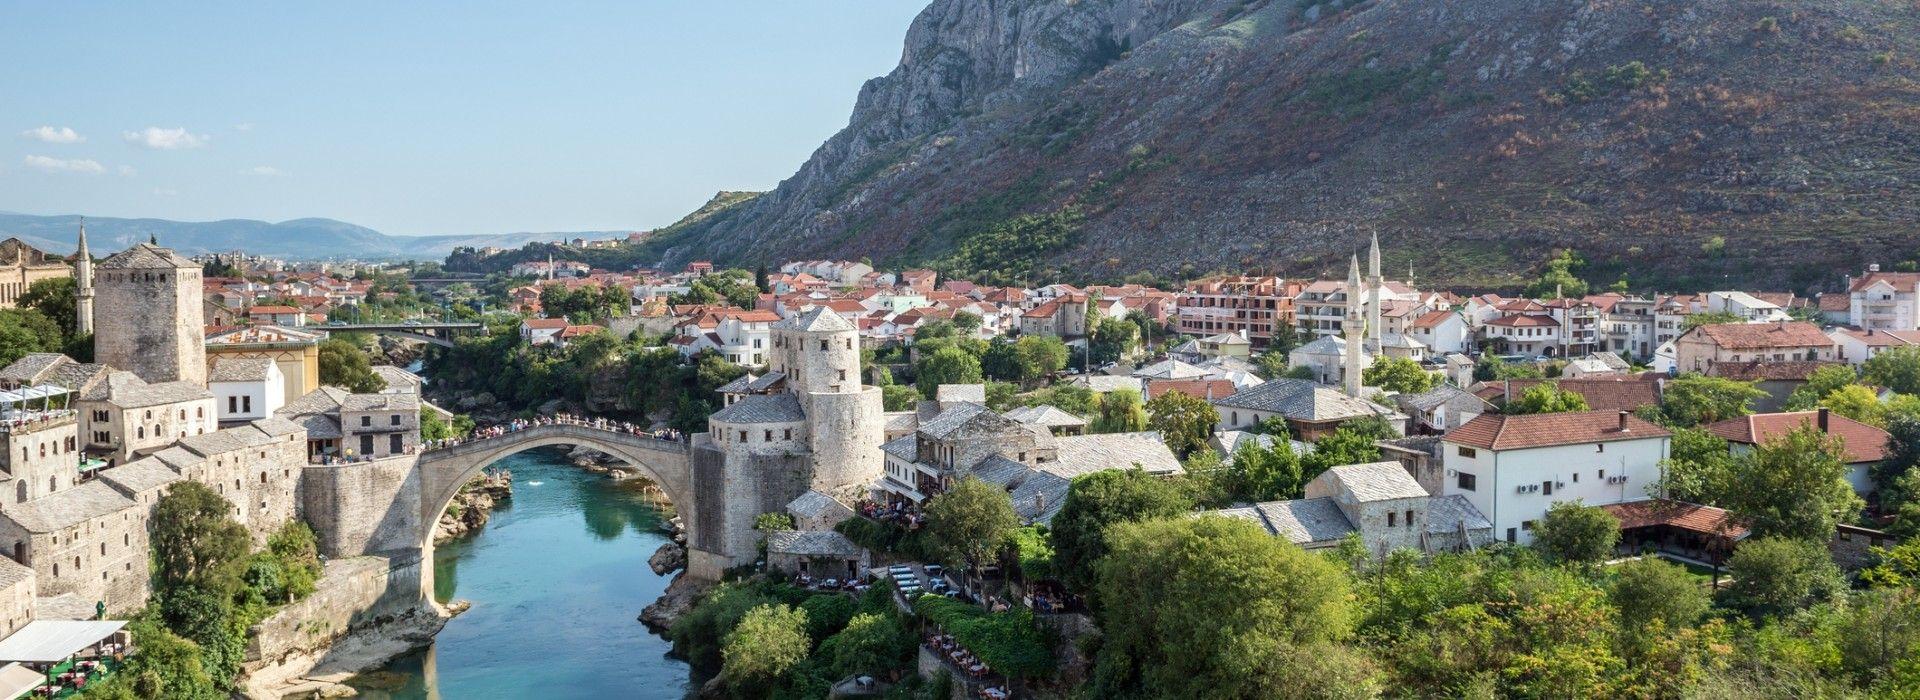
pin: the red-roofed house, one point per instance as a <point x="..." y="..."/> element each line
<point x="1698" y="350"/>
<point x="1884" y="300"/>
<point x="1863" y="445"/>
<point x="1513" y="468"/>
<point x="276" y="315"/>
<point x="541" y="331"/>
<point x="1442" y="331"/>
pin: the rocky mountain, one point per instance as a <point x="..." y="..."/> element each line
<point x="1677" y="143"/>
<point x="298" y="239"/>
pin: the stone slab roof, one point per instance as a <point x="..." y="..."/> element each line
<point x="1085" y="454"/>
<point x="241" y="369"/>
<point x="1302" y="522"/>
<point x="79" y="504"/>
<point x="1170" y="369"/>
<point x="762" y="408"/>
<point x="814" y="504"/>
<point x="177" y="458"/>
<point x="811" y="543"/>
<point x="32" y="368"/>
<point x="147" y="256"/>
<point x="1427" y="401"/>
<point x="140" y="476"/>
<point x="142" y="395"/>
<point x="398" y="377"/>
<point x="904" y="447"/>
<point x="276" y="426"/>
<point x="13" y="573"/>
<point x="1000" y="471"/>
<point x="1038" y="497"/>
<point x="1046" y="416"/>
<point x="902" y="420"/>
<point x="766" y="381"/>
<point x="1760" y="336"/>
<point x="380" y="402"/>
<point x="737" y="386"/>
<point x="319" y="426"/>
<point x="818" y="319"/>
<point x="951" y="393"/>
<point x="1448" y="513"/>
<point x="1378" y="481"/>
<point x="326" y="399"/>
<point x="1300" y="399"/>
<point x="950" y="421"/>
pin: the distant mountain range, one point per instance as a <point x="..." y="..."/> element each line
<point x="298" y="239"/>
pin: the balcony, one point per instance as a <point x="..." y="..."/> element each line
<point x="14" y="421"/>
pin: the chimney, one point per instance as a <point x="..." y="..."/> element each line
<point x="1623" y="420"/>
<point x="1040" y="503"/>
<point x="1822" y="419"/>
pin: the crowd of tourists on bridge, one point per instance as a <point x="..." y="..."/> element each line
<point x="519" y="424"/>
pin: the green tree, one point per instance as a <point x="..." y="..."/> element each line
<point x="1573" y="532"/>
<point x="967" y="322"/>
<point x="1259" y="473"/>
<point x="1272" y="364"/>
<point x="1400" y="375"/>
<point x="971" y="522"/>
<point x="1856" y="402"/>
<point x="1776" y="575"/>
<point x="1695" y="399"/>
<point x="167" y="665"/>
<point x="827" y="614"/>
<point x="1545" y="397"/>
<point x="1184" y="422"/>
<point x="1709" y="318"/>
<point x="871" y="644"/>
<point x="1651" y="590"/>
<point x="1894" y="368"/>
<point x="769" y="642"/>
<point x="1166" y="588"/>
<point x="1825" y="380"/>
<point x="344" y="364"/>
<point x="1699" y="468"/>
<point x="1794" y="486"/>
<point x="25" y="331"/>
<point x="1040" y="356"/>
<point x="1112" y="339"/>
<point x="1353" y="443"/>
<point x="1285" y="339"/>
<point x="1557" y="279"/>
<point x="1903" y="454"/>
<point x="1120" y="412"/>
<point x="54" y="299"/>
<point x="195" y="540"/>
<point x="1096" y="502"/>
<point x="898" y="398"/>
<point x="947" y="365"/>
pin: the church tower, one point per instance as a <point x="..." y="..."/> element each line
<point x="1376" y="292"/>
<point x="155" y="326"/>
<point x="83" y="285"/>
<point x="1350" y="378"/>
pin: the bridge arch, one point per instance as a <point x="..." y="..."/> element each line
<point x="443" y="471"/>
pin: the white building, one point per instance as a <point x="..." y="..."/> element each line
<point x="1746" y="306"/>
<point x="1884" y="300"/>
<point x="1512" y="468"/>
<point x="246" y="389"/>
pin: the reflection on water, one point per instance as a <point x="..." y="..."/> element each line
<point x="556" y="581"/>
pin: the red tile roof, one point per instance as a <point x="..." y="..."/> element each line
<point x="1431" y="319"/>
<point x="1208" y="389"/>
<point x="1901" y="281"/>
<point x="1706" y="520"/>
<point x="1751" y="336"/>
<point x="1864" y="443"/>
<point x="1523" y="321"/>
<point x="273" y="310"/>
<point x="545" y="323"/>
<point x="1501" y="432"/>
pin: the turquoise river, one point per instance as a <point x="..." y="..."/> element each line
<point x="556" y="579"/>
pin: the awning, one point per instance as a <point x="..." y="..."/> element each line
<point x="17" y="680"/>
<point x="52" y="641"/>
<point x="41" y="392"/>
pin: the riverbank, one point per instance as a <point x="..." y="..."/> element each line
<point x="473" y="506"/>
<point x="364" y="612"/>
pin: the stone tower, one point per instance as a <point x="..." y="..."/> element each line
<point x="1350" y="378"/>
<point x="819" y="352"/>
<point x="1376" y="291"/>
<point x="154" y="325"/>
<point x="83" y="285"/>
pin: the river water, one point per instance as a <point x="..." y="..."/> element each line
<point x="556" y="578"/>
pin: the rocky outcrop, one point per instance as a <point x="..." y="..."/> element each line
<point x="670" y="557"/>
<point x="677" y="600"/>
<point x="473" y="506"/>
<point x="1472" y="135"/>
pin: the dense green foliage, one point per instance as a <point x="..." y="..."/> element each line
<point x="971" y="521"/>
<point x="1184" y="422"/>
<point x="1399" y="374"/>
<point x="1098" y="501"/>
<point x="1571" y="532"/>
<point x="343" y="363"/>
<point x="1545" y="397"/>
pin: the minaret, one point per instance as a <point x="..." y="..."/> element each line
<point x="1351" y="378"/>
<point x="1377" y="291"/>
<point x="549" y="267"/>
<point x="83" y="286"/>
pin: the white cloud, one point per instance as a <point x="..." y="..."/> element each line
<point x="165" y="139"/>
<point x="53" y="134"/>
<point x="264" y="171"/>
<point x="128" y="171"/>
<point x="65" y="165"/>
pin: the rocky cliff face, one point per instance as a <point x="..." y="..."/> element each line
<point x="1678" y="143"/>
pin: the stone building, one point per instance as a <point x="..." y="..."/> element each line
<point x="380" y="425"/>
<point x="21" y="265"/>
<point x="807" y="425"/>
<point x="1380" y="503"/>
<point x="154" y="324"/>
<point x="125" y="417"/>
<point x="17" y="593"/>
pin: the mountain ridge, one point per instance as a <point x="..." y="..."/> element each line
<point x="1677" y="144"/>
<point x="305" y="238"/>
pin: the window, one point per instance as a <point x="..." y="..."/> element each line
<point x="366" y="421"/>
<point x="1526" y="525"/>
<point x="1392" y="518"/>
<point x="769" y="436"/>
<point x="1601" y="474"/>
<point x="1466" y="482"/>
<point x="1576" y="477"/>
<point x="246" y="403"/>
<point x="1510" y="535"/>
<point x="1601" y="447"/>
<point x="1409" y="517"/>
<point x="233" y="404"/>
<point x="1467" y="452"/>
<point x="395" y="445"/>
<point x="393" y="419"/>
<point x="1546" y="487"/>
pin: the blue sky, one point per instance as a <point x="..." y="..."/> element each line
<point x="425" y="117"/>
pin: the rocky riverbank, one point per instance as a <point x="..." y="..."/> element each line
<point x="363" y="612"/>
<point x="474" y="505"/>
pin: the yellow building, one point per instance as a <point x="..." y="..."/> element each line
<point x="21" y="265"/>
<point x="296" y="352"/>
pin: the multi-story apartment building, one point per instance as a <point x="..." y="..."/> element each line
<point x="1579" y="322"/>
<point x="1884" y="300"/>
<point x="1512" y="468"/>
<point x="1626" y="324"/>
<point x="1255" y="306"/>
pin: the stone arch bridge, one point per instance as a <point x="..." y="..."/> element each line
<point x="442" y="471"/>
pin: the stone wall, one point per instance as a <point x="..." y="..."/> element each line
<point x="364" y="507"/>
<point x="355" y="594"/>
<point x="729" y="491"/>
<point x="154" y="323"/>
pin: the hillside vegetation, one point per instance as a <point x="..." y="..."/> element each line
<point x="1680" y="143"/>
